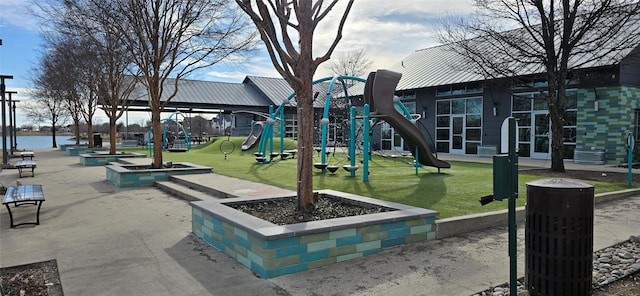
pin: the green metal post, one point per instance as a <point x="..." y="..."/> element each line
<point x="513" y="227"/>
<point x="630" y="146"/>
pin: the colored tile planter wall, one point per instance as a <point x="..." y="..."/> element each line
<point x="77" y="150"/>
<point x="64" y="147"/>
<point x="271" y="250"/>
<point x="125" y="176"/>
<point x="97" y="159"/>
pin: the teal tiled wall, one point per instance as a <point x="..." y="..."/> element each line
<point x="608" y="127"/>
<point x="272" y="258"/>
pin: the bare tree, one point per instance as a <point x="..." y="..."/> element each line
<point x="100" y="58"/>
<point x="353" y="63"/>
<point x="275" y="20"/>
<point x="556" y="38"/>
<point x="171" y="39"/>
<point x="49" y="104"/>
<point x="65" y="62"/>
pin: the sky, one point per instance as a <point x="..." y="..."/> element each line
<point x="386" y="30"/>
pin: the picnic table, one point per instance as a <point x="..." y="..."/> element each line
<point x="26" y="164"/>
<point x="26" y="154"/>
<point x="21" y="195"/>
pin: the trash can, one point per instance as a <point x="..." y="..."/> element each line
<point x="97" y="140"/>
<point x="559" y="237"/>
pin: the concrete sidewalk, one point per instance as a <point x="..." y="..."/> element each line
<point x="111" y="241"/>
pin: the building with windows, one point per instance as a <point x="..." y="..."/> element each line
<point x="462" y="113"/>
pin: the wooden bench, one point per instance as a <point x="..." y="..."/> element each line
<point x="26" y="164"/>
<point x="23" y="195"/>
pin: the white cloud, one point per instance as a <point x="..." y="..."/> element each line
<point x="18" y="13"/>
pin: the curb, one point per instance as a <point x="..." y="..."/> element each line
<point x="449" y="227"/>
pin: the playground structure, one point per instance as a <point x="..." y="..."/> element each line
<point x="174" y="137"/>
<point x="379" y="105"/>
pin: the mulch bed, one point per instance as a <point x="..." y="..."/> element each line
<point x="37" y="279"/>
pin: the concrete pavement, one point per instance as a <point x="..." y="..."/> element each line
<point x="112" y="241"/>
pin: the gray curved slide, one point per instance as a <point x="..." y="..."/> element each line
<point x="382" y="91"/>
<point x="254" y="135"/>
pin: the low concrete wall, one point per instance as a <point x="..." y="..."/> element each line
<point x="64" y="147"/>
<point x="122" y="176"/>
<point x="77" y="150"/>
<point x="98" y="159"/>
<point x="270" y="250"/>
<point x="459" y="225"/>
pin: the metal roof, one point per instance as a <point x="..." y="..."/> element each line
<point x="204" y="94"/>
<point x="274" y="89"/>
<point x="440" y="65"/>
<point x="278" y="89"/>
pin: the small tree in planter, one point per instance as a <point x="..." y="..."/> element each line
<point x="294" y="60"/>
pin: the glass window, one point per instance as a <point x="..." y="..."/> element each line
<point x="457" y="106"/>
<point x="521" y="103"/>
<point x="442" y="134"/>
<point x="443" y="107"/>
<point x="569" y="135"/>
<point x="474" y="105"/>
<point x="472" y="148"/>
<point x="523" y="119"/>
<point x="524" y="150"/>
<point x="540" y="103"/>
<point x="570" y="118"/>
<point x="474" y="134"/>
<point x="442" y="147"/>
<point x="474" y="121"/>
<point x="443" y="91"/>
<point x="442" y="121"/>
<point x="524" y="134"/>
<point x="571" y="99"/>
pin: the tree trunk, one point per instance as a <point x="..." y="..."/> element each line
<point x="76" y="133"/>
<point x="53" y="136"/>
<point x="157" y="138"/>
<point x="557" y="146"/>
<point x="112" y="136"/>
<point x="305" y="151"/>
<point x="90" y="132"/>
<point x="555" y="101"/>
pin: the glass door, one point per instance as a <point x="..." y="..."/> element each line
<point x="457" y="134"/>
<point x="541" y="140"/>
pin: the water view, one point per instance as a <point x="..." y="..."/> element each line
<point x="35" y="142"/>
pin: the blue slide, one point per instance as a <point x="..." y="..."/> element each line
<point x="382" y="91"/>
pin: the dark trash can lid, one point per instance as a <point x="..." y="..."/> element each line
<point x="559" y="183"/>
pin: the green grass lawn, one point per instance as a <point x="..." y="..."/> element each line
<point x="453" y="192"/>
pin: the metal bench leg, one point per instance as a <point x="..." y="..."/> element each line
<point x="10" y="215"/>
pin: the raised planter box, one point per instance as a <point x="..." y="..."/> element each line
<point x="97" y="159"/>
<point x="131" y="175"/>
<point x="589" y="156"/>
<point x="64" y="147"/>
<point x="77" y="150"/>
<point x="271" y="250"/>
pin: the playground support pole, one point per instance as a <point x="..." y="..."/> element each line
<point x="365" y="145"/>
<point x="352" y="141"/>
<point x="282" y="122"/>
<point x="417" y="164"/>
<point x="271" y="115"/>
